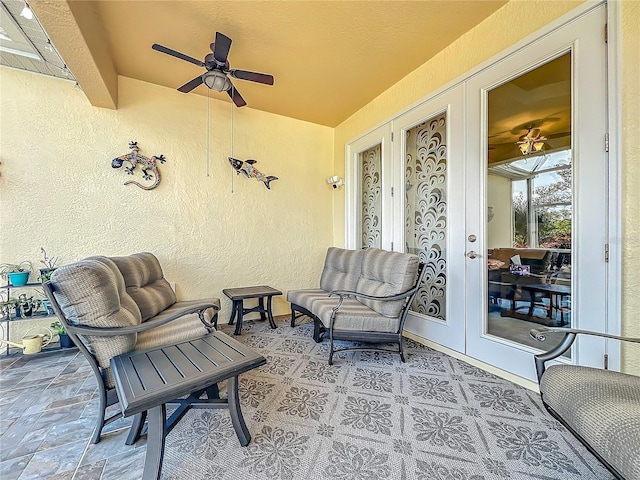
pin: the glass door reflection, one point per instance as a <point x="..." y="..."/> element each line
<point x="529" y="198"/>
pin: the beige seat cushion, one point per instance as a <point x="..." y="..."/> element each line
<point x="179" y="330"/>
<point x="384" y="274"/>
<point x="145" y="283"/>
<point x="601" y="406"/>
<point x="341" y="269"/>
<point x="91" y="292"/>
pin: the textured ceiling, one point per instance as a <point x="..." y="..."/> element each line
<point x="329" y="58"/>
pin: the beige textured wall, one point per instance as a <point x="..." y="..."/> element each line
<point x="471" y="50"/>
<point x="58" y="190"/>
<point x="499" y="197"/>
<point x="631" y="180"/>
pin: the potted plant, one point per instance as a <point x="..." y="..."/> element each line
<point x="17" y="273"/>
<point x="25" y="306"/>
<point x="49" y="263"/>
<point x="7" y="306"/>
<point x="65" y="339"/>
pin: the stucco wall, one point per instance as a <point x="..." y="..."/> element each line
<point x="631" y="180"/>
<point x="472" y="49"/>
<point x="499" y="197"/>
<point x="58" y="190"/>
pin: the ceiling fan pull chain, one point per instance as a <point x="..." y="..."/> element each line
<point x="208" y="132"/>
<point x="232" y="176"/>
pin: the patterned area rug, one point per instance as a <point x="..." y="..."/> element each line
<point x="371" y="417"/>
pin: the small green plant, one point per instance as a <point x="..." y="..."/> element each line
<point x="49" y="263"/>
<point x="6" y="268"/>
<point x="58" y="328"/>
<point x="24" y="306"/>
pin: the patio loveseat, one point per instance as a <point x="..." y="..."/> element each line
<point x="364" y="296"/>
<point x="115" y="305"/>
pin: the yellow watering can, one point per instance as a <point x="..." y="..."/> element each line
<point x="32" y="343"/>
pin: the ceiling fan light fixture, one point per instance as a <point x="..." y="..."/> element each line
<point x="531" y="142"/>
<point x="216" y="80"/>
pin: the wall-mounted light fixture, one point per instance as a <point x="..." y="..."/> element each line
<point x="335" y="181"/>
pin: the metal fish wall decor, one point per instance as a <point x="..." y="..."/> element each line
<point x="248" y="170"/>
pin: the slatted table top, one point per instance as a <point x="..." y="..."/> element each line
<point x="151" y="377"/>
<point x="241" y="293"/>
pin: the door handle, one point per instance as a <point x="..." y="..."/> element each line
<point x="471" y="254"/>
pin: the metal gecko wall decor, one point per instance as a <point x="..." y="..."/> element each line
<point x="149" y="166"/>
<point x="248" y="170"/>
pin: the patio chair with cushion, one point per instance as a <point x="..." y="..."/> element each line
<point x="600" y="407"/>
<point x="364" y="296"/>
<point x="115" y="305"/>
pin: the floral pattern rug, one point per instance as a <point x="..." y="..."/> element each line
<point x="372" y="417"/>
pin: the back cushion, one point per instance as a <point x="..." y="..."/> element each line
<point x="384" y="274"/>
<point x="145" y="283"/>
<point x="341" y="269"/>
<point x="91" y="292"/>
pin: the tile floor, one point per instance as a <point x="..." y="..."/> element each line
<point x="47" y="410"/>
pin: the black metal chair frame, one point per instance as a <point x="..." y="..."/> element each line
<point x="108" y="396"/>
<point x="570" y="335"/>
<point x="362" y="336"/>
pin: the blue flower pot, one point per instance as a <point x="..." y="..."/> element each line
<point x="17" y="279"/>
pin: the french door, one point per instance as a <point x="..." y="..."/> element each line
<point x="428" y="188"/>
<point x="466" y="177"/>
<point x="550" y="196"/>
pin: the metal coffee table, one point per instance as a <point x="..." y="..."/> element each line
<point x="147" y="380"/>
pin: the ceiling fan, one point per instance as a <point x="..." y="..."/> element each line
<point x="217" y="75"/>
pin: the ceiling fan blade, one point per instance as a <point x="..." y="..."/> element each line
<point x="252" y="76"/>
<point x="190" y="85"/>
<point x="181" y="56"/>
<point x="236" y="97"/>
<point x="221" y="48"/>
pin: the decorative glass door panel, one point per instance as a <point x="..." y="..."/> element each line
<point x="367" y="175"/>
<point x="426" y="210"/>
<point x="371" y="189"/>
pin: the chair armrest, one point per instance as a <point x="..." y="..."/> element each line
<point x="570" y="335"/>
<point x="348" y="293"/>
<point x="539" y="334"/>
<point x="177" y="310"/>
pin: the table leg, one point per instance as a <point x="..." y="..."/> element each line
<point x="272" y="322"/>
<point x="155" y="442"/>
<point x="239" y="314"/>
<point x="136" y="428"/>
<point x="551" y="305"/>
<point x="234" y="310"/>
<point x="236" y="414"/>
<point x="261" y="307"/>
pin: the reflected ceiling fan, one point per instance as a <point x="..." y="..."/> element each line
<point x="217" y="75"/>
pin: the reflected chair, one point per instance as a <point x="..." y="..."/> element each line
<point x="600" y="407"/>
<point x="115" y="305"/>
